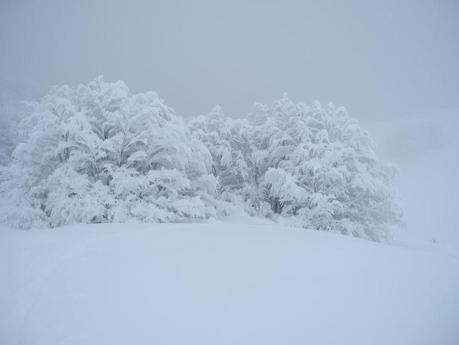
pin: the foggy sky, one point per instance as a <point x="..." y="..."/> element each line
<point x="378" y="58"/>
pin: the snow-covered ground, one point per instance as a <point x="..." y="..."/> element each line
<point x="236" y="282"/>
<point x="425" y="146"/>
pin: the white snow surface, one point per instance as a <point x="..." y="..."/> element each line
<point x="235" y="282"/>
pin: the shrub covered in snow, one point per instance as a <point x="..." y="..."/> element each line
<point x="98" y="153"/>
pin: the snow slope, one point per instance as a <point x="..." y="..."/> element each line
<point x="221" y="283"/>
<point x="425" y="146"/>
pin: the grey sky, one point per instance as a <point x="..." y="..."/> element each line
<point x="379" y="58"/>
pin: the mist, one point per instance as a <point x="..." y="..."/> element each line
<point x="393" y="64"/>
<point x="389" y="59"/>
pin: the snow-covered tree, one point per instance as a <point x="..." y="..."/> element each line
<point x="8" y="126"/>
<point x="98" y="153"/>
<point x="312" y="165"/>
<point x="12" y="108"/>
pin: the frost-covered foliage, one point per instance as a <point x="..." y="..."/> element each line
<point x="7" y="133"/>
<point x="11" y="112"/>
<point x="98" y="153"/>
<point x="314" y="166"/>
<point x="12" y="108"/>
<point x="229" y="144"/>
